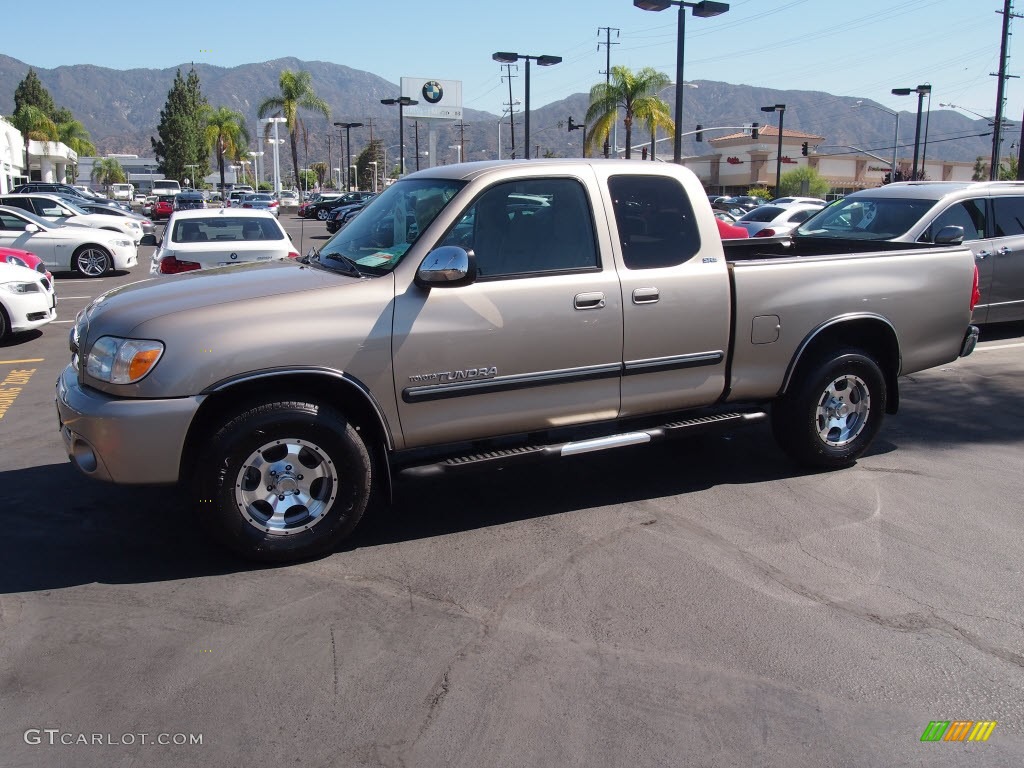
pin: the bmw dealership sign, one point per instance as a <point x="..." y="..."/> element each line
<point x="438" y="99"/>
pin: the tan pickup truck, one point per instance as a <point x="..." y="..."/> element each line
<point x="485" y="313"/>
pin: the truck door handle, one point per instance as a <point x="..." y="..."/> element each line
<point x="1003" y="251"/>
<point x="646" y="296"/>
<point x="982" y="254"/>
<point x="593" y="300"/>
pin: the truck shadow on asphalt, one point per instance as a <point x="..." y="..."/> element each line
<point x="63" y="529"/>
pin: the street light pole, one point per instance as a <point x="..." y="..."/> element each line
<point x="277" y="160"/>
<point x="921" y="90"/>
<point x="896" y="137"/>
<point x="506" y="57"/>
<point x="402" y="102"/>
<point x="348" y="148"/>
<point x="702" y="10"/>
<point x="781" y="109"/>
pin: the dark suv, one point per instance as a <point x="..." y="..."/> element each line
<point x="53" y="188"/>
<point x="185" y="201"/>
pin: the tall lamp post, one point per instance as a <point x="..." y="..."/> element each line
<point x="256" y="163"/>
<point x="277" y="161"/>
<point x="896" y="137"/>
<point x="374" y="164"/>
<point x="921" y="90"/>
<point x="781" y="109"/>
<point x="505" y="57"/>
<point x="402" y="102"/>
<point x="348" y="148"/>
<point x="702" y="10"/>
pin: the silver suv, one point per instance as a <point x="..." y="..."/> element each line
<point x="991" y="215"/>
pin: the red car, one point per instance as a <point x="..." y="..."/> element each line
<point x="25" y="259"/>
<point x="163" y="207"/>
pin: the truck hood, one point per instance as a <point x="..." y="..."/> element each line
<point x="119" y="311"/>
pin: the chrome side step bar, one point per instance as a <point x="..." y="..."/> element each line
<point x="521" y="454"/>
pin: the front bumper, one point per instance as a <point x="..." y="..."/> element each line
<point x="970" y="340"/>
<point x="122" y="440"/>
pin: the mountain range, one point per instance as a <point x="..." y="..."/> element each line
<point x="121" y="109"/>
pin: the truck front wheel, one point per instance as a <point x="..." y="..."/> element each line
<point x="833" y="412"/>
<point x="284" y="481"/>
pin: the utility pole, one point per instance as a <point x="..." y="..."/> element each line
<point x="608" y="73"/>
<point x="997" y="138"/>
<point x="511" y="107"/>
<point x="462" y="140"/>
<point x="417" y="124"/>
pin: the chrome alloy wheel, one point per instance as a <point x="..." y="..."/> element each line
<point x="843" y="410"/>
<point x="286" y="486"/>
<point x="92" y="262"/>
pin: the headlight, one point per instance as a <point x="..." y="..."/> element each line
<point x="134" y="225"/>
<point x="122" y="361"/>
<point x="123" y="243"/>
<point x="20" y="287"/>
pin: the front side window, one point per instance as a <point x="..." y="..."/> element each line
<point x="527" y="227"/>
<point x="656" y="223"/>
<point x="969" y="214"/>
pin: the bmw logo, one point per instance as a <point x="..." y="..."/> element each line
<point x="234" y="255"/>
<point x="432" y="91"/>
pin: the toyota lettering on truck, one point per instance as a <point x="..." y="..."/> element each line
<point x="492" y="313"/>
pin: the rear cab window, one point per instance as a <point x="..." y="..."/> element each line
<point x="656" y="223"/>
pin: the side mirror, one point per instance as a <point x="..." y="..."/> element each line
<point x="31" y="229"/>
<point x="148" y="240"/>
<point x="447" y="266"/>
<point x="950" y="235"/>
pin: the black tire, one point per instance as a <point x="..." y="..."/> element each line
<point x="322" y="214"/>
<point x="833" y="410"/>
<point x="5" y="325"/>
<point x="92" y="261"/>
<point x="260" y="454"/>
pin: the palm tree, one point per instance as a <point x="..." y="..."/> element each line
<point x="634" y="93"/>
<point x="107" y="171"/>
<point x="296" y="93"/>
<point x="73" y="134"/>
<point x="34" y="125"/>
<point x="225" y="134"/>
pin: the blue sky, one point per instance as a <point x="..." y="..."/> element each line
<point x="862" y="48"/>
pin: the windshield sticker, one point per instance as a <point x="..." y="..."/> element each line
<point x="383" y="257"/>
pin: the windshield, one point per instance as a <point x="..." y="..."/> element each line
<point x="866" y="218"/>
<point x="387" y="227"/>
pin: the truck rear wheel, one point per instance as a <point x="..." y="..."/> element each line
<point x="833" y="412"/>
<point x="284" y="481"/>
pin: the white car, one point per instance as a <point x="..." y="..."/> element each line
<point x="787" y="200"/>
<point x="92" y="252"/>
<point x="775" y="220"/>
<point x="61" y="210"/>
<point x="27" y="299"/>
<point x="198" y="239"/>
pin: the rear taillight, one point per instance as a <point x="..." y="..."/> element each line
<point x="976" y="290"/>
<point x="765" y="233"/>
<point x="171" y="266"/>
<point x="273" y="203"/>
<point x="293" y="254"/>
<point x="247" y="205"/>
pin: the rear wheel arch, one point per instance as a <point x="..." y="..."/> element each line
<point x="871" y="334"/>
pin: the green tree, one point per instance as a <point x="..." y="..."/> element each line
<point x="635" y="94"/>
<point x="372" y="153"/>
<point x="980" y="169"/>
<point x="108" y="171"/>
<point x="73" y="134"/>
<point x="791" y="183"/>
<point x="30" y="91"/>
<point x="224" y="134"/>
<point x="1008" y="171"/>
<point x="307" y="180"/>
<point x="34" y="125"/>
<point x="321" y="171"/>
<point x="296" y="93"/>
<point x="762" y="192"/>
<point x="182" y="140"/>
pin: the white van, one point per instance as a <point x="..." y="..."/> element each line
<point x="166" y="187"/>
<point x="123" y="192"/>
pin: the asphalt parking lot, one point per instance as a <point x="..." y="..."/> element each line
<point x="703" y="603"/>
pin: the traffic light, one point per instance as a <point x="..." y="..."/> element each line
<point x="753" y="130"/>
<point x="803" y="150"/>
<point x="700" y="132"/>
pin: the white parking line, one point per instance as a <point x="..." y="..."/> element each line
<point x="985" y="348"/>
<point x="67" y="298"/>
<point x="61" y="321"/>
